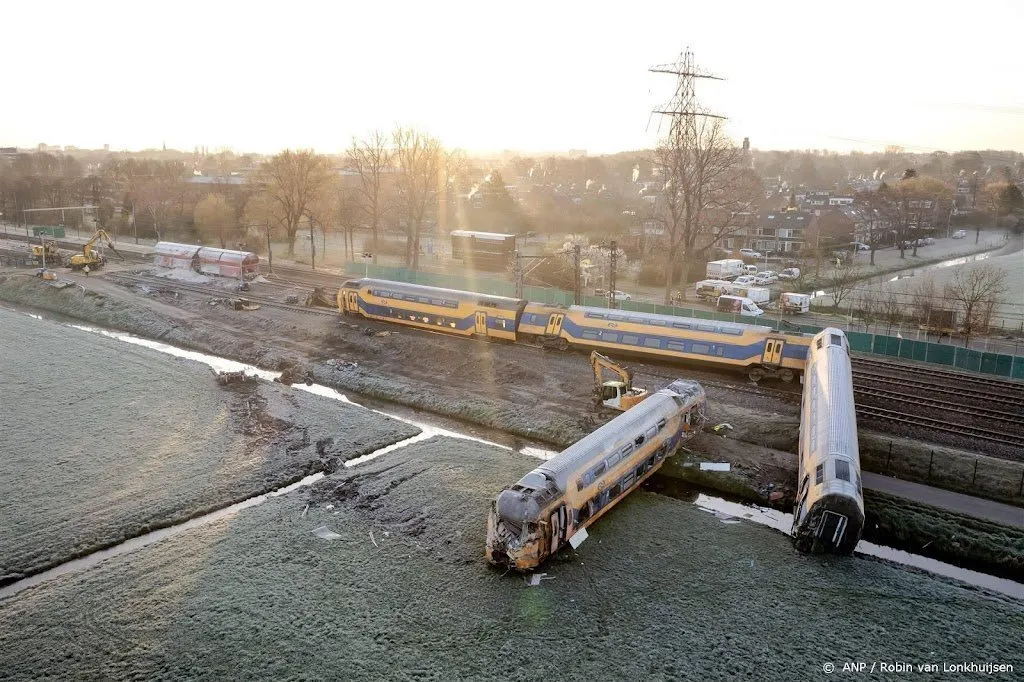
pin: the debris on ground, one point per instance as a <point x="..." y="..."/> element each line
<point x="292" y="374"/>
<point x="239" y="377"/>
<point x="321" y="299"/>
<point x="723" y="425"/>
<point x="715" y="466"/>
<point x="325" y="533"/>
<point x="341" y="364"/>
<point x="534" y="579"/>
<point x="236" y="303"/>
<point x="291" y="299"/>
<point x="578" y="537"/>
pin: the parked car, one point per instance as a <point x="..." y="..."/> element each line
<point x="750" y="253"/>
<point x="959" y="234"/>
<point x="859" y="246"/>
<point x="923" y="241"/>
<point x="750" y="269"/>
<point x="765" y="278"/>
<point x="744" y="280"/>
<point x="619" y="295"/>
<point x="790" y="273"/>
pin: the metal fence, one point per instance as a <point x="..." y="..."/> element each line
<point x="998" y="364"/>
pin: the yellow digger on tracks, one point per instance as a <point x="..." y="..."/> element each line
<point x="618" y="394"/>
<point x="90" y="256"/>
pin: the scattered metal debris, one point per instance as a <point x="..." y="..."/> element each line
<point x="341" y="364"/>
<point x="723" y="425"/>
<point x="239" y="377"/>
<point x="534" y="579"/>
<point x="578" y="537"/>
<point x="372" y="540"/>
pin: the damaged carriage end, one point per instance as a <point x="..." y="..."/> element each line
<point x="531" y="520"/>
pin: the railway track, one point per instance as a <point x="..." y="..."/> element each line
<point x="989" y="435"/>
<point x="940" y="389"/>
<point x="216" y="292"/>
<point x="940" y="377"/>
<point x="958" y="408"/>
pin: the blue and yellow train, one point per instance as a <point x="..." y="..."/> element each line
<point x="758" y="350"/>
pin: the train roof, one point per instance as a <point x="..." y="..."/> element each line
<point x="438" y="292"/>
<point x="177" y="249"/>
<point x="660" y="320"/>
<point x="605" y="441"/>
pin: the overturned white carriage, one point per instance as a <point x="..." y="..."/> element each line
<point x="207" y="260"/>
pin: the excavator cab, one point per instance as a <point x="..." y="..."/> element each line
<point x="617" y="394"/>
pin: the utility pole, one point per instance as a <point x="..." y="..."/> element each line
<point x="518" y="270"/>
<point x="270" y="252"/>
<point x="576" y="275"/>
<point x="612" y="258"/>
<point x="312" y="246"/>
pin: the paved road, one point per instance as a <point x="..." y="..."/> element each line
<point x="944" y="499"/>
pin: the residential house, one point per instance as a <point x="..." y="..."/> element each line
<point x="775" y="232"/>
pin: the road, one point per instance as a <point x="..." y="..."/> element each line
<point x="996" y="512"/>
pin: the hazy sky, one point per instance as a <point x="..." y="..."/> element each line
<point x="535" y="76"/>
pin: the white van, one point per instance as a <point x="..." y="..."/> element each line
<point x="795" y="303"/>
<point x="749" y="269"/>
<point x="711" y="289"/>
<point x="738" y="305"/>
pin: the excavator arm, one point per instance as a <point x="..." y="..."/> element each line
<point x="600" y="362"/>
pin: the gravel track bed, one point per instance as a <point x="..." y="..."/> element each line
<point x="661" y="590"/>
<point x="102" y="441"/>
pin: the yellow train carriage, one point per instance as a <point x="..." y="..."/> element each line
<point x="531" y="520"/>
<point x="463" y="313"/>
<point x="759" y="350"/>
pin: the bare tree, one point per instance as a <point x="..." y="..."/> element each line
<point x="892" y="310"/>
<point x="706" y="190"/>
<point x="841" y="282"/>
<point x="925" y="296"/>
<point x="214" y="217"/>
<point x="156" y="192"/>
<point x="419" y="165"/>
<point x="976" y="291"/>
<point x="455" y="167"/>
<point x="348" y="214"/>
<point x="371" y="159"/>
<point x="294" y="181"/>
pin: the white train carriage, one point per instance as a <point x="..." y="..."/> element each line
<point x="207" y="260"/>
<point x="531" y="520"/>
<point x="829" y="512"/>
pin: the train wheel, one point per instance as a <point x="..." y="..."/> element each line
<point x="787" y="375"/>
<point x="756" y="374"/>
<point x="562" y="344"/>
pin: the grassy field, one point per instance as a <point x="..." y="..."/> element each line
<point x="102" y="441"/>
<point x="660" y="591"/>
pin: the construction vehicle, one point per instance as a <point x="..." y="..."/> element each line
<point x="90" y="256"/>
<point x="47" y="254"/>
<point x="616" y="394"/>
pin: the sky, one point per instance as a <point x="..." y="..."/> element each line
<point x="530" y="76"/>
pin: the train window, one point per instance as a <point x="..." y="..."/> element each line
<point x="369" y="292"/>
<point x="650" y="462"/>
<point x="661" y="423"/>
<point x="639" y="440"/>
<point x="436" y="301"/>
<point x="720" y="351"/>
<point x="842" y="470"/>
<point x="700" y="348"/>
<point x="451" y="304"/>
<point x="528" y="318"/>
<point x="657" y="323"/>
<point x="613" y="460"/>
<point x="627" y="481"/>
<point x="836" y="340"/>
<point x="589" y="335"/>
<point x="677" y="345"/>
<point x="598" y="470"/>
<point x="732" y="330"/>
<point x="631" y="339"/>
<point x="595" y="316"/>
<point x="681" y="325"/>
<point x="618" y="318"/>
<point x="627" y="449"/>
<point x="706" y="327"/>
<point x="426" y="319"/>
<point x="583" y="513"/>
<point x="652" y="432"/>
<point x="610" y="337"/>
<point x="652" y="342"/>
<point x="662" y="451"/>
<point x="819" y="474"/>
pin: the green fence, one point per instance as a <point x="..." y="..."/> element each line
<point x="877" y="344"/>
<point x="57" y="232"/>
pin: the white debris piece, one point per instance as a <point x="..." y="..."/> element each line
<point x="535" y="579"/>
<point x="578" y="537"/>
<point x="715" y="466"/>
<point x="325" y="534"/>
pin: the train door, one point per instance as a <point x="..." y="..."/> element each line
<point x="557" y="529"/>
<point x="352" y="301"/>
<point x="481" y="323"/>
<point x="772" y="356"/>
<point x="554" y="327"/>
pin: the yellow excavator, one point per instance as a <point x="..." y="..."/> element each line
<point x="90" y="256"/>
<point x="616" y="394"/>
<point x="47" y="253"/>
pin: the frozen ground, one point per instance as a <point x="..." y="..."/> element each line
<point x="661" y="590"/>
<point x="101" y="441"/>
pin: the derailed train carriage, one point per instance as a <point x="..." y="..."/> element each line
<point x="207" y="260"/>
<point x="829" y="513"/>
<point x="531" y="520"/>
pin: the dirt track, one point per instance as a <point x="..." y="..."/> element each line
<point x="661" y="590"/>
<point x="103" y="441"/>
